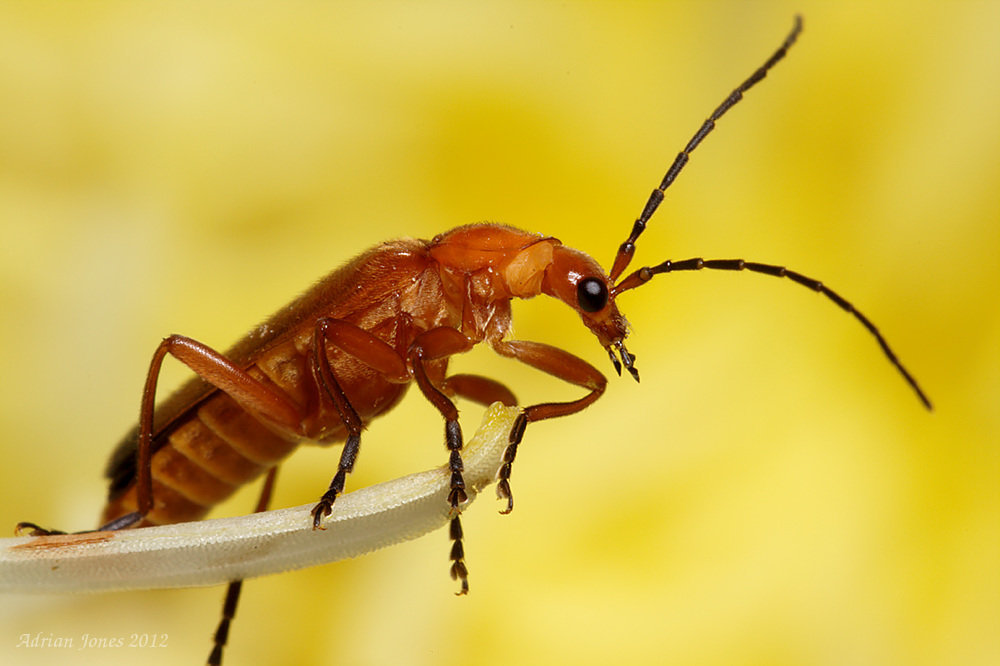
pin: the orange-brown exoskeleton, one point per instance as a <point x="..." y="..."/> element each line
<point x="345" y="352"/>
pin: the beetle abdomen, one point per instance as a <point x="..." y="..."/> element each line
<point x="203" y="461"/>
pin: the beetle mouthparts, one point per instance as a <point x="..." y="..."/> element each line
<point x="627" y="359"/>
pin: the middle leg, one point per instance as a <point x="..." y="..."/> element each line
<point x="373" y="352"/>
<point x="436" y="344"/>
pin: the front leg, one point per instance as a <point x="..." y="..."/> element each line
<point x="435" y="344"/>
<point x="557" y="363"/>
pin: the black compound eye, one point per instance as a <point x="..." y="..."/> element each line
<point x="591" y="294"/>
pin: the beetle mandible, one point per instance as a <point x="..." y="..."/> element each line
<point x="345" y="352"/>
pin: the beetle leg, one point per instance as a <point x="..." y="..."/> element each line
<point x="25" y="528"/>
<point x="435" y="344"/>
<point x="557" y="363"/>
<point x="428" y="346"/>
<point x="236" y="586"/>
<point x="374" y="353"/>
<point x="478" y="389"/>
<point x="326" y="330"/>
<point x="220" y="372"/>
<point x="251" y="394"/>
<point x="484" y="391"/>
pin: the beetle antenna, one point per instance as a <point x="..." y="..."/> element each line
<point x="627" y="249"/>
<point x="644" y="275"/>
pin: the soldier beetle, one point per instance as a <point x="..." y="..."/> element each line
<point x="345" y="352"/>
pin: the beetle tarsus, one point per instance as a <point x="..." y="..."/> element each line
<point x="33" y="530"/>
<point x="347" y="457"/>
<point x="459" y="571"/>
<point x="222" y="631"/>
<point x="503" y="475"/>
<point x="322" y="509"/>
<point x="232" y="599"/>
<point x="457" y="497"/>
<point x="120" y="523"/>
<point x="503" y="492"/>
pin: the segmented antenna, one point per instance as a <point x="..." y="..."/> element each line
<point x="627" y="249"/>
<point x="644" y="275"/>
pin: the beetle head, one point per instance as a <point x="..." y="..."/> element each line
<point x="577" y="280"/>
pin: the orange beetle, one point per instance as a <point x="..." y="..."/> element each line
<point x="345" y="351"/>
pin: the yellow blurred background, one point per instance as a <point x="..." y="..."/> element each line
<point x="772" y="493"/>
